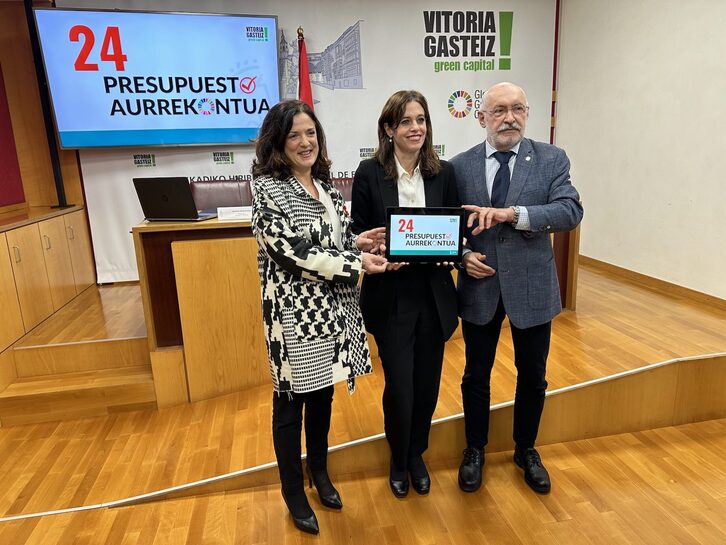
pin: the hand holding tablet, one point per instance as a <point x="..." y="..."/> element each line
<point x="424" y="235"/>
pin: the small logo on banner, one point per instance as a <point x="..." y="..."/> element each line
<point x="205" y="106"/>
<point x="223" y="157"/>
<point x="460" y="103"/>
<point x="144" y="160"/>
<point x="257" y="33"/>
<point x="440" y="150"/>
<point x="367" y="153"/>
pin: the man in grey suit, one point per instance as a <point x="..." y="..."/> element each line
<point x="519" y="192"/>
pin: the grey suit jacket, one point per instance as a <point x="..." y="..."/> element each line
<point x="523" y="260"/>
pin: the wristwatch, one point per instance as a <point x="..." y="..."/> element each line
<point x="515" y="220"/>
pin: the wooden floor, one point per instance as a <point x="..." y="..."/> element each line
<point x="99" y="313"/>
<point x="660" y="487"/>
<point x="618" y="326"/>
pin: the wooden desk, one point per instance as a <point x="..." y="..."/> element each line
<point x="201" y="295"/>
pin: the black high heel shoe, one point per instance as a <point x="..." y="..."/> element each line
<point x="302" y="514"/>
<point x="329" y="496"/>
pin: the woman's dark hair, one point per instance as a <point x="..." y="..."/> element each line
<point x="270" y="157"/>
<point x="392" y="113"/>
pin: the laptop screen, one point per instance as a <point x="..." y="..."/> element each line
<point x="166" y="198"/>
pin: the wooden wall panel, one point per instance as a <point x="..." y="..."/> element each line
<point x="13" y="207"/>
<point x="701" y="391"/>
<point x="71" y="172"/>
<point x="634" y="402"/>
<point x="11" y="320"/>
<point x="573" y="253"/>
<point x="567" y="248"/>
<point x="25" y="111"/>
<point x="7" y="369"/>
<point x="26" y="114"/>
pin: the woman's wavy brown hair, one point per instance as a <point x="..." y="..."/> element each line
<point x="270" y="159"/>
<point x="392" y="113"/>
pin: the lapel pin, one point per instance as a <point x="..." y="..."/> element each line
<point x="528" y="158"/>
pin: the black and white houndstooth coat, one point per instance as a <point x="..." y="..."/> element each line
<point x="313" y="326"/>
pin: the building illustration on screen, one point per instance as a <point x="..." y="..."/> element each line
<point x="339" y="66"/>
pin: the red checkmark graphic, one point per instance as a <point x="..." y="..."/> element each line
<point x="248" y="85"/>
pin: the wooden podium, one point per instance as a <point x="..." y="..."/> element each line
<point x="201" y="294"/>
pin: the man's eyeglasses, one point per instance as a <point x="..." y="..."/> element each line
<point x="518" y="110"/>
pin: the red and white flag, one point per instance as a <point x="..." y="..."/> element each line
<point x="305" y="92"/>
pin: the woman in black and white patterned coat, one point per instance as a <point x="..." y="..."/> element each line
<point x="309" y="262"/>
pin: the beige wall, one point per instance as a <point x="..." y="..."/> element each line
<point x="642" y="115"/>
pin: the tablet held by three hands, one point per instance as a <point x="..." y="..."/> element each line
<point x="424" y="235"/>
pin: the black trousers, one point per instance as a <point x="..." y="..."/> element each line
<point x="531" y="347"/>
<point x="287" y="419"/>
<point x="411" y="349"/>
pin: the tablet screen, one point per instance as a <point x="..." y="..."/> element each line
<point x="424" y="234"/>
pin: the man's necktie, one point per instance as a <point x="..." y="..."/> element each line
<point x="501" y="179"/>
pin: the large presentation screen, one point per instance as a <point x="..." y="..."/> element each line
<point x="137" y="78"/>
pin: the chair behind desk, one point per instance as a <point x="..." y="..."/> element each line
<point x="216" y="193"/>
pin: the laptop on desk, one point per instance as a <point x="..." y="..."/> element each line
<point x="168" y="199"/>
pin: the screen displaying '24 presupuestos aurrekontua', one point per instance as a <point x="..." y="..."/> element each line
<point x="424" y="234"/>
<point x="121" y="78"/>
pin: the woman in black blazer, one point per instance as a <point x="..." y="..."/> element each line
<point x="410" y="309"/>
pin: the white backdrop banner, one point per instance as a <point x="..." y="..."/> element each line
<point x="359" y="54"/>
<point x="113" y="208"/>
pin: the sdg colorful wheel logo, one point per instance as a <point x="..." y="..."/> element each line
<point x="206" y="106"/>
<point x="460" y="103"/>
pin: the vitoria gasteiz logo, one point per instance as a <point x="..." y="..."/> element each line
<point x="257" y="33"/>
<point x="460" y="104"/>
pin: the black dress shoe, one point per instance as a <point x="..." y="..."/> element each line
<point x="470" y="469"/>
<point x="535" y="474"/>
<point x="398" y="481"/>
<point x="302" y="514"/>
<point x="420" y="480"/>
<point x="327" y="493"/>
